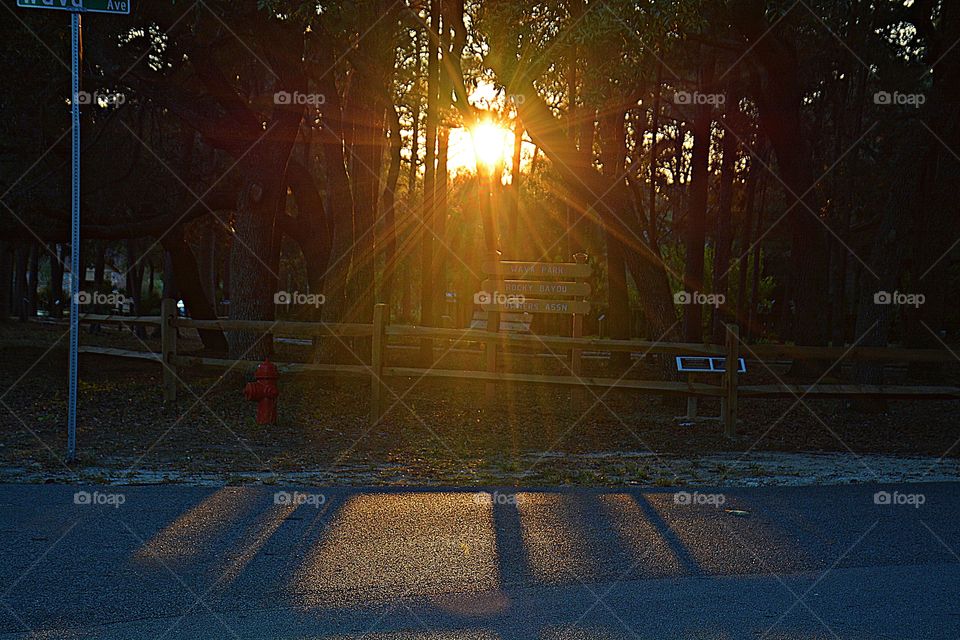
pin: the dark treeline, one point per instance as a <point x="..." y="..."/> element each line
<point x="788" y="167"/>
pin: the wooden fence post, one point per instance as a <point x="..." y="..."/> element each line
<point x="168" y="349"/>
<point x="578" y="396"/>
<point x="693" y="403"/>
<point x="730" y="380"/>
<point x="490" y="355"/>
<point x="576" y="355"/>
<point x="376" y="363"/>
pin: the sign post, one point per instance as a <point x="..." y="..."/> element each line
<point x="76" y="7"/>
<point x="75" y="275"/>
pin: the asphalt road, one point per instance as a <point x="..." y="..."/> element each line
<point x="187" y="562"/>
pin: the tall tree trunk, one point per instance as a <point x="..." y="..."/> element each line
<point x="33" y="279"/>
<point x="21" y="291"/>
<point x="133" y="276"/>
<point x="441" y="257"/>
<point x="389" y="203"/>
<point x="574" y="243"/>
<point x="207" y="259"/>
<point x="755" y="269"/>
<point x="6" y="280"/>
<point x="365" y="107"/>
<point x="99" y="273"/>
<point x="225" y="270"/>
<point x="170" y="289"/>
<point x="613" y="149"/>
<point x="748" y="231"/>
<point x="254" y="256"/>
<point x="406" y="290"/>
<point x="255" y="252"/>
<point x="99" y="268"/>
<point x="151" y="278"/>
<point x="55" y="308"/>
<point x="724" y="229"/>
<point x="339" y="202"/>
<point x="429" y="186"/>
<point x="184" y="271"/>
<point x="310" y="230"/>
<point x="514" y="193"/>
<point x="697" y="212"/>
<point x="134" y="285"/>
<point x="652" y="232"/>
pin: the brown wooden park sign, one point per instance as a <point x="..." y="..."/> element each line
<point x="538" y="269"/>
<point x="538" y="288"/>
<point x="513" y="293"/>
<point x="510" y="291"/>
<point x="539" y="306"/>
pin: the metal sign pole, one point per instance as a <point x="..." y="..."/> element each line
<point x="77" y="8"/>
<point x="75" y="276"/>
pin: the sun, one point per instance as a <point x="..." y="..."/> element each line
<point x="490" y="143"/>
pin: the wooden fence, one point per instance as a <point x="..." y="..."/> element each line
<point x="729" y="390"/>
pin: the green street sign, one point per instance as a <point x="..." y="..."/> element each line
<point x="79" y="6"/>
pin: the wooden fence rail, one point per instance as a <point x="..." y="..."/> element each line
<point x="729" y="391"/>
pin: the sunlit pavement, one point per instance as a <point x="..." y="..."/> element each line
<point x="266" y="562"/>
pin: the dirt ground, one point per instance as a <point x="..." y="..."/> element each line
<point x="436" y="432"/>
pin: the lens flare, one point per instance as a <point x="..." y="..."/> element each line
<point x="489" y="143"/>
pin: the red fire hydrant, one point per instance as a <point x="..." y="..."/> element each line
<point x="264" y="391"/>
